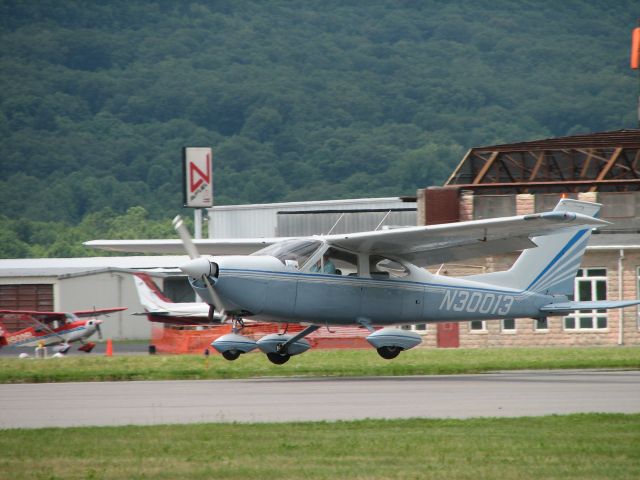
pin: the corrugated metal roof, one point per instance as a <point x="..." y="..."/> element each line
<point x="617" y="138"/>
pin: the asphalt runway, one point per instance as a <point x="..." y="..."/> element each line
<point x="506" y="394"/>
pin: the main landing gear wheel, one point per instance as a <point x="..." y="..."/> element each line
<point x="231" y="354"/>
<point x="278" y="358"/>
<point x="389" y="352"/>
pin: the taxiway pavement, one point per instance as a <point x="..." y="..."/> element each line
<point x="507" y="394"/>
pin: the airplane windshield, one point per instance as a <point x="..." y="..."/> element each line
<point x="291" y="252"/>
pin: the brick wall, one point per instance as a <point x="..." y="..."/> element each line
<point x="525" y="333"/>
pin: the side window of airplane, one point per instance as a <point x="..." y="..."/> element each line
<point x="291" y="252"/>
<point x="337" y="262"/>
<point x="382" y="267"/>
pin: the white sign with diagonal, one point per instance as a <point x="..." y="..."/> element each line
<point x="198" y="177"/>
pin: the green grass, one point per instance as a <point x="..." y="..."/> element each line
<point x="582" y="446"/>
<point x="337" y="363"/>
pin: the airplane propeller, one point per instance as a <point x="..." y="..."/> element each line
<point x="198" y="267"/>
<point x="97" y="323"/>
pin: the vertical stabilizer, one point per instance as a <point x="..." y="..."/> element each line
<point x="151" y="298"/>
<point x="551" y="267"/>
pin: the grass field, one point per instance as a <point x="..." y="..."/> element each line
<point x="589" y="446"/>
<point x="339" y="363"/>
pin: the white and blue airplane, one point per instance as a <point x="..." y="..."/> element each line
<point x="378" y="279"/>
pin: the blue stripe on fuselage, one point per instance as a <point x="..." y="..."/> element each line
<point x="368" y="280"/>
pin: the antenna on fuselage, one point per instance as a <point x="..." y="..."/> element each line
<point x="335" y="224"/>
<point x="383" y="219"/>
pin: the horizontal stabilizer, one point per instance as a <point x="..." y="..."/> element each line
<point x="597" y="305"/>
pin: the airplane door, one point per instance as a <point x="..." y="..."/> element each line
<point x="386" y="298"/>
<point x="331" y="291"/>
<point x="330" y="298"/>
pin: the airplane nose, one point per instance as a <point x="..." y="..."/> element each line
<point x="198" y="267"/>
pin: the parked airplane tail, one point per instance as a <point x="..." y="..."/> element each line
<point x="551" y="267"/>
<point x="159" y="308"/>
<point x="151" y="298"/>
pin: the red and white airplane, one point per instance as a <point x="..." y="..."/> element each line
<point x="27" y="328"/>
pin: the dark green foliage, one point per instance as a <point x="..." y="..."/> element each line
<point x="32" y="238"/>
<point x="300" y="100"/>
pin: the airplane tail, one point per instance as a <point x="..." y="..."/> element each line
<point x="551" y="267"/>
<point x="151" y="298"/>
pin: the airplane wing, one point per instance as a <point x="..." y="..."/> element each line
<point x="462" y="240"/>
<point x="422" y="246"/>
<point x="210" y="246"/>
<point x="97" y="312"/>
<point x="566" y="307"/>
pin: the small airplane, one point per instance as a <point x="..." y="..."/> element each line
<point x="33" y="328"/>
<point x="378" y="278"/>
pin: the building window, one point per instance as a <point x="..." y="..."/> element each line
<point x="509" y="325"/>
<point x="420" y="327"/>
<point x="541" y="324"/>
<point x="591" y="285"/>
<point x="477" y="326"/>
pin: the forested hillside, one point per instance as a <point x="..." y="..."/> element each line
<point x="300" y="100"/>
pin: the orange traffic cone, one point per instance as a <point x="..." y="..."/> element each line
<point x="109" y="352"/>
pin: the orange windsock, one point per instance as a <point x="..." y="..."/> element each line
<point x="635" y="48"/>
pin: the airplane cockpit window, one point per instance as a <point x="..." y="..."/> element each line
<point x="291" y="252"/>
<point x="382" y="267"/>
<point x="336" y="262"/>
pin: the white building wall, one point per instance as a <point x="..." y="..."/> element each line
<point x="106" y="290"/>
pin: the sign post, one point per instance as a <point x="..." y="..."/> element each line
<point x="197" y="169"/>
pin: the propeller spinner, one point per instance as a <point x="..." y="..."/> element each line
<point x="199" y="267"/>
